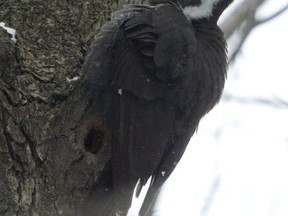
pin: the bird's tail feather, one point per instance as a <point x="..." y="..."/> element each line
<point x="148" y="201"/>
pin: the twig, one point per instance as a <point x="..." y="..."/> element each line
<point x="274" y="102"/>
<point x="273" y="16"/>
<point x="248" y="25"/>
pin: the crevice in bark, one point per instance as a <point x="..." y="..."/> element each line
<point x="32" y="147"/>
<point x="9" y="142"/>
<point x="33" y="198"/>
<point x="9" y="98"/>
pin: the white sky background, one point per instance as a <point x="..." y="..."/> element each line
<point x="239" y="158"/>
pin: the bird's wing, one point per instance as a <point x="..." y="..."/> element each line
<point x="143" y="54"/>
<point x="169" y="162"/>
<point x="167" y="44"/>
<point x="151" y="65"/>
<point x="150" y="60"/>
<point x="97" y="69"/>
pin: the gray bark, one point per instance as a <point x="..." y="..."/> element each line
<point x="45" y="168"/>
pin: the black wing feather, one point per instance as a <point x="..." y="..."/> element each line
<point x="148" y="72"/>
<point x="144" y="76"/>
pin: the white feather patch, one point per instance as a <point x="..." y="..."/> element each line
<point x="204" y="10"/>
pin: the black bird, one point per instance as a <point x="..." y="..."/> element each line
<point x="154" y="71"/>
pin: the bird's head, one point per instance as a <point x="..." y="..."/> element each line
<point x="199" y="9"/>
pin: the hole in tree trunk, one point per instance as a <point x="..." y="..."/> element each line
<point x="94" y="140"/>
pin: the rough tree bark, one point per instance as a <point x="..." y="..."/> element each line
<point x="45" y="166"/>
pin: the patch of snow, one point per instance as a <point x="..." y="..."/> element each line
<point x="120" y="91"/>
<point x="73" y="79"/>
<point x="10" y="31"/>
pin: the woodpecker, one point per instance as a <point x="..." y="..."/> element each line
<point x="153" y="71"/>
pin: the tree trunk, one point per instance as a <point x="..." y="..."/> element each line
<point x="47" y="166"/>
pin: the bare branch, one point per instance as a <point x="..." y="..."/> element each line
<point x="211" y="195"/>
<point x="273" y="102"/>
<point x="273" y="16"/>
<point x="243" y="22"/>
<point x="244" y="32"/>
<point x="240" y="14"/>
